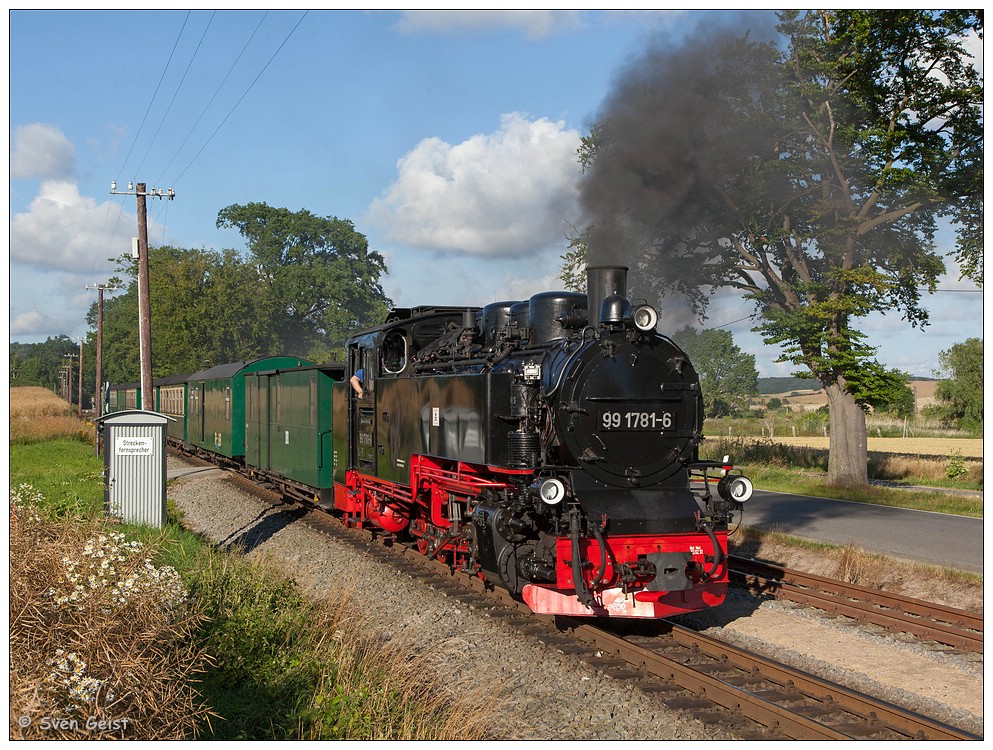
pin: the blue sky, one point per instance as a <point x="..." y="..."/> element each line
<point x="449" y="139"/>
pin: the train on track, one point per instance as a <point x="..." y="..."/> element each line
<point x="549" y="446"/>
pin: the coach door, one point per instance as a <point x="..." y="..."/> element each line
<point x="257" y="420"/>
<point x="362" y="429"/>
<point x="195" y="414"/>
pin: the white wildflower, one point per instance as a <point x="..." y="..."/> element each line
<point x="70" y="679"/>
<point x="97" y="567"/>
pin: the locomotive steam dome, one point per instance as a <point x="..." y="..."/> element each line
<point x="553" y="314"/>
<point x="631" y="413"/>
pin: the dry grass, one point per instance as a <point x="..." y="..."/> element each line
<point x="855" y="564"/>
<point x="100" y="639"/>
<point x="37" y="414"/>
<point x="901" y="467"/>
<point x="969" y="448"/>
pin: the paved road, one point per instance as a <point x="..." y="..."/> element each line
<point x="935" y="538"/>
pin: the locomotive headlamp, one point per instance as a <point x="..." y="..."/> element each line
<point x="646" y="318"/>
<point x="734" y="488"/>
<point x="551" y="491"/>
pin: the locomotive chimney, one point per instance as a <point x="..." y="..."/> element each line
<point x="602" y="282"/>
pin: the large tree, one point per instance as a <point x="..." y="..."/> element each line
<point x="207" y="307"/>
<point x="961" y="396"/>
<point x="728" y="377"/>
<point x="319" y="268"/>
<point x="810" y="172"/>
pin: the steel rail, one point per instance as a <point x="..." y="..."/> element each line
<point x="769" y="706"/>
<point x="748" y="685"/>
<point x="947" y="625"/>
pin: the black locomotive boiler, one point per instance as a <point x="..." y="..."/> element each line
<point x="549" y="446"/>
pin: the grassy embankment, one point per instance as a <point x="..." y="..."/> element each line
<point x="799" y="466"/>
<point x="225" y="649"/>
<point x="158" y="635"/>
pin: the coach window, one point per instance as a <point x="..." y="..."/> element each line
<point x="313" y="400"/>
<point x="227" y="403"/>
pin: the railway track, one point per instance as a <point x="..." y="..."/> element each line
<point x="957" y="628"/>
<point x="755" y="697"/>
<point x="783" y="700"/>
<point x="751" y="696"/>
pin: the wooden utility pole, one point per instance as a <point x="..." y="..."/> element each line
<point x="80" y="391"/>
<point x="98" y="396"/>
<point x="98" y="401"/>
<point x="69" y="358"/>
<point x="144" y="302"/>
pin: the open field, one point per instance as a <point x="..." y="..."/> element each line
<point x="38" y="414"/>
<point x="944" y="447"/>
<point x="814" y="398"/>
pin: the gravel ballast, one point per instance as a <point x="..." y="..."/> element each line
<point x="541" y="693"/>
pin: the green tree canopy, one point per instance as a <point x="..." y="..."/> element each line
<point x="308" y="284"/>
<point x="319" y="270"/>
<point x="40" y="364"/>
<point x="206" y="306"/>
<point x="728" y="377"/>
<point x="961" y="395"/>
<point x="810" y="175"/>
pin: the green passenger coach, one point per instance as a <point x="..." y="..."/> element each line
<point x="215" y="410"/>
<point x="288" y="428"/>
<point x="170" y="399"/>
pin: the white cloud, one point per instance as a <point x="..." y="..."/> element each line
<point x="973" y="44"/>
<point x="534" y="24"/>
<point x="507" y="194"/>
<point x="34" y="323"/>
<point x="41" y="151"/>
<point x="67" y="231"/>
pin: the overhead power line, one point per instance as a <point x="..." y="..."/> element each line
<point x="176" y="92"/>
<point x="250" y="87"/>
<point x="124" y="164"/>
<point x="160" y="180"/>
<point x="154" y="94"/>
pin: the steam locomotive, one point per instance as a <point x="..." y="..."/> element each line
<point x="549" y="446"/>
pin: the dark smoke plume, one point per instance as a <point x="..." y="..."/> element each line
<point x="660" y="141"/>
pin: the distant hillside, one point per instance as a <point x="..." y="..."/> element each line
<point x="768" y="386"/>
<point x="776" y="386"/>
<point x="805" y="395"/>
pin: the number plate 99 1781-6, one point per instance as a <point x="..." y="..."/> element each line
<point x="637" y="420"/>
